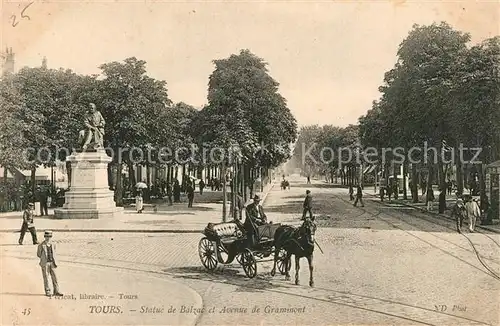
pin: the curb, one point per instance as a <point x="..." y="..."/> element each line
<point x="423" y="210"/>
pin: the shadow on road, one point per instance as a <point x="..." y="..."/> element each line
<point x="227" y="274"/>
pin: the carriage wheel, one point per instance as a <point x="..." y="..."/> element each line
<point x="249" y="263"/>
<point x="208" y="257"/>
<point x="238" y="258"/>
<point x="282" y="260"/>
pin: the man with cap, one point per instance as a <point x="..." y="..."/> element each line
<point x="458" y="212"/>
<point x="254" y="216"/>
<point x="28" y="224"/>
<point x="307" y="205"/>
<point x="47" y="254"/>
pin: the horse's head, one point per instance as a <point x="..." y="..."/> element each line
<point x="308" y="229"/>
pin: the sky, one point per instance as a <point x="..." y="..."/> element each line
<point x="329" y="57"/>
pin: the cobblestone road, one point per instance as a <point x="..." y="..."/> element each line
<point x="381" y="265"/>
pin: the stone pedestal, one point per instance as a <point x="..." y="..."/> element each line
<point x="89" y="196"/>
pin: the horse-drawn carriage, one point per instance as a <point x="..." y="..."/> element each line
<point x="224" y="242"/>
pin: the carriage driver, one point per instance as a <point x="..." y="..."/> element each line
<point x="255" y="216"/>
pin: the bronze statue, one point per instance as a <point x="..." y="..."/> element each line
<point x="93" y="136"/>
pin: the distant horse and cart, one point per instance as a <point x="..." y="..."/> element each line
<point x="224" y="242"/>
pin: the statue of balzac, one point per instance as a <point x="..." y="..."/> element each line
<point x="92" y="137"/>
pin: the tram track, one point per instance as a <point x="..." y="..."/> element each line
<point x="475" y="251"/>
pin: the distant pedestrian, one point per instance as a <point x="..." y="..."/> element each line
<point x="169" y="193"/>
<point x="473" y="213"/>
<point x="139" y="202"/>
<point x="389" y="191"/>
<point x="190" y="194"/>
<point x="449" y="186"/>
<point x="351" y="193"/>
<point x="28" y="224"/>
<point x="47" y="254"/>
<point x="395" y="191"/>
<point x="177" y="192"/>
<point x="308" y="179"/>
<point x="430" y="198"/>
<point x="307" y="205"/>
<point x="44" y="197"/>
<point x="381" y="193"/>
<point x="359" y="196"/>
<point x="201" y="184"/>
<point x="240" y="205"/>
<point x="458" y="212"/>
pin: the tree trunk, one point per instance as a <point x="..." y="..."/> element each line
<point x="110" y="175"/>
<point x="119" y="185"/>
<point x="414" y="183"/>
<point x="5" y="174"/>
<point x="224" y="193"/>
<point x="429" y="180"/>
<point x="405" y="178"/>
<point x="459" y="175"/>
<point x="33" y="183"/>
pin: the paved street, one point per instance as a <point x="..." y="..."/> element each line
<point x="380" y="265"/>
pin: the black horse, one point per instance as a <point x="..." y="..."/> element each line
<point x="298" y="242"/>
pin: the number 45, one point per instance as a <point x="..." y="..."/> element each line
<point x="27" y="311"/>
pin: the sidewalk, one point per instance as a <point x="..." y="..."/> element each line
<point x="423" y="208"/>
<point x="23" y="302"/>
<point x="168" y="219"/>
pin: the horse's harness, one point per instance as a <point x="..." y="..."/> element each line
<point x="296" y="235"/>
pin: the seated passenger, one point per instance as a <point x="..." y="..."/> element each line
<point x="255" y="216"/>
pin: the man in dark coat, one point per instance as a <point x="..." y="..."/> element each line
<point x="44" y="198"/>
<point x="177" y="192"/>
<point x="255" y="216"/>
<point x="458" y="212"/>
<point x="359" y="196"/>
<point x="201" y="184"/>
<point x="169" y="193"/>
<point x="307" y="205"/>
<point x="240" y="204"/>
<point x="190" y="193"/>
<point x="28" y="224"/>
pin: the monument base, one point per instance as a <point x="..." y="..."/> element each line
<point x="89" y="196"/>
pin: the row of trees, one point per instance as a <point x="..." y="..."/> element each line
<point x="44" y="108"/>
<point x="441" y="91"/>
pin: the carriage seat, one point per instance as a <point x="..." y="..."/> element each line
<point x="226" y="229"/>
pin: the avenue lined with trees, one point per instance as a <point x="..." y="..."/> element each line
<point x="43" y="110"/>
<point x="442" y="91"/>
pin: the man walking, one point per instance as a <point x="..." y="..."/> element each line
<point x="169" y="193"/>
<point x="190" y="193"/>
<point x="359" y="197"/>
<point x="473" y="212"/>
<point x="351" y="193"/>
<point x="458" y="212"/>
<point x="201" y="184"/>
<point x="307" y="205"/>
<point x="28" y="224"/>
<point x="47" y="254"/>
<point x="44" y="197"/>
<point x="240" y="205"/>
<point x="430" y="198"/>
